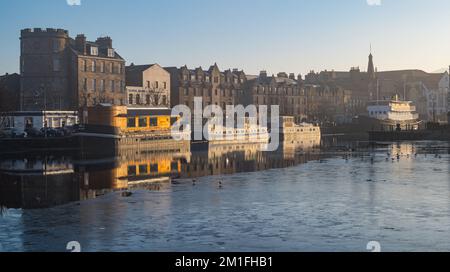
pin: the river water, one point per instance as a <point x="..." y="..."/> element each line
<point x="334" y="198"/>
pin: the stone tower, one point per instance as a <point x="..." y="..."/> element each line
<point x="44" y="69"/>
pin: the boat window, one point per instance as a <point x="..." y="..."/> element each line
<point x="153" y="121"/>
<point x="142" y="122"/>
<point x="154" y="168"/>
<point x="132" y="170"/>
<point x="143" y="170"/>
<point x="131" y="122"/>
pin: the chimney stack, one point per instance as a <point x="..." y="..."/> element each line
<point x="263" y="74"/>
<point x="104" y="42"/>
<point x="80" y="43"/>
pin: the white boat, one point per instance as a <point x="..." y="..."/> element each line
<point x="393" y="115"/>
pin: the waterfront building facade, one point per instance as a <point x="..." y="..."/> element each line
<point x="147" y="86"/>
<point x="213" y="86"/>
<point x="61" y="73"/>
<point x="282" y="90"/>
<point x="98" y="73"/>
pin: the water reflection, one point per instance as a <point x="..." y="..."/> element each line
<point x="37" y="181"/>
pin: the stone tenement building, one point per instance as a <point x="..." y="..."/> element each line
<point x="233" y="87"/>
<point x="147" y="86"/>
<point x="283" y="90"/>
<point x="61" y="73"/>
<point x="215" y="87"/>
<point x="306" y="102"/>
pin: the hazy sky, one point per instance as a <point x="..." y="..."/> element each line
<point x="276" y="35"/>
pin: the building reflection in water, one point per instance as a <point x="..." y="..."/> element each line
<point x="42" y="182"/>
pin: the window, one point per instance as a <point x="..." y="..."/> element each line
<point x="94" y="84"/>
<point x="164" y="100"/>
<point x="56" y="46"/>
<point x="111" y="53"/>
<point x="143" y="169"/>
<point x="102" y="67"/>
<point x="85" y="84"/>
<point x="165" y="85"/>
<point x="119" y="69"/>
<point x="138" y="99"/>
<point x="131" y="122"/>
<point x="94" y="66"/>
<point x="94" y="51"/>
<point x="122" y="88"/>
<point x="156" y="84"/>
<point x="113" y="86"/>
<point x="153" y="121"/>
<point x="111" y="68"/>
<point x="130" y="99"/>
<point x="216" y="79"/>
<point x="147" y="99"/>
<point x="102" y="85"/>
<point x="154" y="168"/>
<point x="84" y="65"/>
<point x="56" y="65"/>
<point x="142" y="122"/>
<point x="132" y="170"/>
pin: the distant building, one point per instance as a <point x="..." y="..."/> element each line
<point x="147" y="86"/>
<point x="61" y="73"/>
<point x="437" y="99"/>
<point x="214" y="86"/>
<point x="280" y="90"/>
<point x="9" y="92"/>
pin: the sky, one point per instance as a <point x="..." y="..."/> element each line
<point x="293" y="36"/>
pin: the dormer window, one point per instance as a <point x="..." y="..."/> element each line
<point x="94" y="51"/>
<point x="111" y="53"/>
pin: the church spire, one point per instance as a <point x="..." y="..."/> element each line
<point x="371" y="68"/>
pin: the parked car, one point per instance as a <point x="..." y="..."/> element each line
<point x="52" y="132"/>
<point x="12" y="133"/>
<point x="33" y="132"/>
<point x="69" y="130"/>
